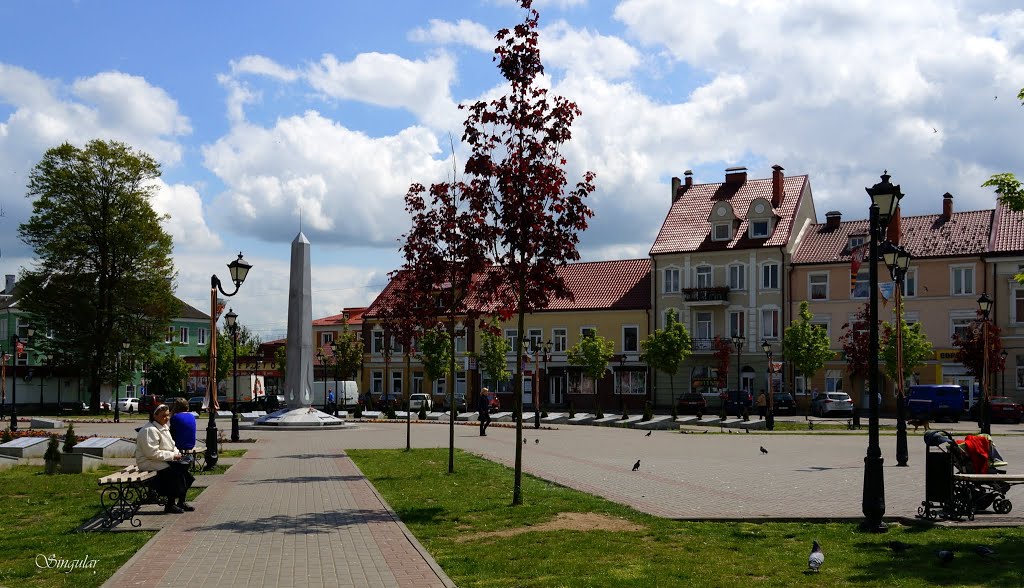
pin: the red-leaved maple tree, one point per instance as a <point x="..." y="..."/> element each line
<point x="517" y="191"/>
<point x="970" y="348"/>
<point x="723" y="352"/>
<point x="855" y="344"/>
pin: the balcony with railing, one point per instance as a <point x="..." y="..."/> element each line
<point x="707" y="296"/>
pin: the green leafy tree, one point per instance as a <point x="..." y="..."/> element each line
<point x="103" y="271"/>
<point x="592" y="353"/>
<point x="494" y="349"/>
<point x="916" y="348"/>
<point x="347" y="352"/>
<point x="1009" y="189"/>
<point x="70" y="439"/>
<point x="806" y="345"/>
<point x="281" y="359"/>
<point x="664" y="349"/>
<point x="248" y="345"/>
<point x="167" y="374"/>
<point x="435" y="352"/>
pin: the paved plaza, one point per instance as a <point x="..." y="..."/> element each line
<point x="295" y="511"/>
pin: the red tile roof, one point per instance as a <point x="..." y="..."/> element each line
<point x="355" y="318"/>
<point x="965" y="233"/>
<point x="687" y="228"/>
<point x="598" y="285"/>
<point x="1008" y="232"/>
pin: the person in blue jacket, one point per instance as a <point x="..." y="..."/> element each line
<point x="183" y="425"/>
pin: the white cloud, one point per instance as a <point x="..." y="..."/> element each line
<point x="464" y="31"/>
<point x="584" y="52"/>
<point x="264" y="66"/>
<point x="186" y="223"/>
<point x="539" y="4"/>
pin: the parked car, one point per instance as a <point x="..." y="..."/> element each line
<point x="128" y="404"/>
<point x="783" y="403"/>
<point x="460" y="403"/>
<point x="692" y="403"/>
<point x="388" y="400"/>
<point x="418" y="401"/>
<point x="195" y="404"/>
<point x="935" y="401"/>
<point x="148" y="402"/>
<point x="1002" y="408"/>
<point x="738" y="400"/>
<point x="832" y="404"/>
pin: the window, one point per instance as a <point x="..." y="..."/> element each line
<point x="584" y="331"/>
<point x="817" y="286"/>
<point x="770" y="323"/>
<point x="960" y="325"/>
<point x="3" y="331"/>
<point x="441" y="387"/>
<point x="397" y="349"/>
<point x="770" y="276"/>
<point x="512" y="336"/>
<point x="201" y="336"/>
<point x="580" y="383"/>
<point x="723" y="232"/>
<point x="377" y="341"/>
<point x="962" y="282"/>
<point x="759" y="229"/>
<point x="737" y="277"/>
<point x="1020" y="372"/>
<point x="460" y="341"/>
<point x="910" y="283"/>
<point x="417" y="382"/>
<point x="704" y="327"/>
<point x="833" y="381"/>
<point x="737" y="323"/>
<point x="560" y="337"/>
<point x="855" y="241"/>
<point x="169" y="336"/>
<point x="396" y="383"/>
<point x="377" y="382"/>
<point x="183" y="335"/>
<point x="863" y="286"/>
<point x="1017" y="306"/>
<point x="630" y="382"/>
<point x="669" y="312"/>
<point x="630" y="338"/>
<point x="824" y="325"/>
<point x="326" y="338"/>
<point x="671" y="280"/>
<point x="535" y="337"/>
<point x="704" y="276"/>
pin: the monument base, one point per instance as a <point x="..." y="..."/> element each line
<point x="296" y="418"/>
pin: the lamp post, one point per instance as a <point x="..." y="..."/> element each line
<point x="16" y="347"/>
<point x="238" y="268"/>
<point x="984" y="418"/>
<point x="536" y="348"/>
<point x="885" y="198"/>
<point x="769" y="417"/>
<point x="321" y="358"/>
<point x="3" y="381"/>
<point x="622" y="365"/>
<point x="737" y="342"/>
<point x="1002" y="389"/>
<point x="898" y="261"/>
<point x="231" y="320"/>
<point x="337" y="364"/>
<point x="117" y="381"/>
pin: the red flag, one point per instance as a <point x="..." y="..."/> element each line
<point x="856" y="257"/>
<point x="20" y="348"/>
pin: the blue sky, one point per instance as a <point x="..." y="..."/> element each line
<point x="260" y="109"/>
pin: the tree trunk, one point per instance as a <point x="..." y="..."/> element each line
<point x="517" y="487"/>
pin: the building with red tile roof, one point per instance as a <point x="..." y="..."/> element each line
<point x="1006" y="260"/>
<point x="719" y="263"/>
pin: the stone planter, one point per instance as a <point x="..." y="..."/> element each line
<point x="76" y="463"/>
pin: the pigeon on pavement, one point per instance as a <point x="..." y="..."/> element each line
<point x="984" y="550"/>
<point x="536" y="441"/>
<point x="763" y="450"/>
<point x="945" y="556"/>
<point x="648" y="433"/>
<point x="636" y="466"/>
<point x="524" y="441"/>
<point x="816" y="558"/>
<point x="899" y="547"/>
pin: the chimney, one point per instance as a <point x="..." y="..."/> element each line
<point x="735" y="175"/>
<point x="9" y="284"/>
<point x="892" y="232"/>
<point x="947" y="206"/>
<point x="832" y="219"/>
<point x="675" y="189"/>
<point x="778" y="192"/>
<point x="689" y="178"/>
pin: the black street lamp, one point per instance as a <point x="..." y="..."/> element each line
<point x="16" y="342"/>
<point x="984" y="416"/>
<point x="238" y="268"/>
<point x="231" y="321"/>
<point x="3" y="381"/>
<point x="536" y="348"/>
<point x="897" y="259"/>
<point x="769" y="417"/>
<point x="321" y="358"/>
<point x="737" y="342"/>
<point x="547" y="357"/>
<point x="336" y="354"/>
<point x="622" y="367"/>
<point x="1002" y="389"/>
<point x="117" y="381"/>
<point x="885" y="199"/>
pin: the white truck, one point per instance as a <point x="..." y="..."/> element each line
<point x="250" y="388"/>
<point x="346" y="392"/>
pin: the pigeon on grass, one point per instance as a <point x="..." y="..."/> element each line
<point x="945" y="556"/>
<point x="984" y="551"/>
<point x="816" y="558"/>
<point x="636" y="466"/>
<point x="898" y="547"/>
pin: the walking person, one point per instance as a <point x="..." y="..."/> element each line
<point x="483" y="403"/>
<point x="331" y="407"/>
<point x="762" y="404"/>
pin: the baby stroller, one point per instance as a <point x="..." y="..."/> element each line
<point x="964" y="477"/>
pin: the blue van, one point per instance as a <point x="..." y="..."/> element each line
<point x="935" y="401"/>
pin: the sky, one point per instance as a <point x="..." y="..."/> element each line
<point x="263" y="111"/>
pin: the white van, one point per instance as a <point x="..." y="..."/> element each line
<point x="346" y="393"/>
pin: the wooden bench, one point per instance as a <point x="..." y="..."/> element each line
<point x="198" y="456"/>
<point x="123" y="493"/>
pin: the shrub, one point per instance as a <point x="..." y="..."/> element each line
<point x="423" y="413"/>
<point x="598" y="413"/>
<point x="675" y="412"/>
<point x="544" y="414"/>
<point x="52" y="449"/>
<point x="625" y="415"/>
<point x="648" y="413"/>
<point x="69" y="438"/>
<point x="358" y="412"/>
<point x="572" y="410"/>
<point x="6" y="436"/>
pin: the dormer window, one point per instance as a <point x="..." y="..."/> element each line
<point x="760" y="229"/>
<point x="856" y="241"/>
<point x="722" y="232"/>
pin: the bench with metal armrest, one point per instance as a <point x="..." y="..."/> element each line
<point x="123" y="493"/>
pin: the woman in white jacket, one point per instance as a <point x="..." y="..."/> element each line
<point x="155" y="451"/>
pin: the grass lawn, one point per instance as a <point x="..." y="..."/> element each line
<point x="40" y="515"/>
<point x="561" y="537"/>
<point x="231" y="453"/>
